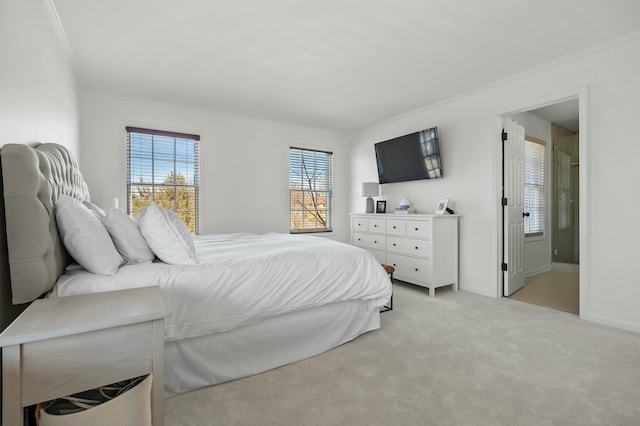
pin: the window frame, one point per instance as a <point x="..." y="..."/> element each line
<point x="153" y="185"/>
<point x="541" y="188"/>
<point x="326" y="189"/>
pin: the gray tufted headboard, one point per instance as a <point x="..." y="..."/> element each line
<point x="34" y="178"/>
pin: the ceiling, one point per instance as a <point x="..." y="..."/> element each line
<point x="565" y="114"/>
<point x="331" y="64"/>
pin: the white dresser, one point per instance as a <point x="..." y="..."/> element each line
<point x="423" y="248"/>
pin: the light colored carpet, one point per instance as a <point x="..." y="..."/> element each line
<point x="457" y="359"/>
<point x="555" y="289"/>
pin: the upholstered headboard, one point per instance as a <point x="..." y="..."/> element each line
<point x="34" y="178"/>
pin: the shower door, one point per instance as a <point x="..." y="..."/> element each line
<point x="566" y="227"/>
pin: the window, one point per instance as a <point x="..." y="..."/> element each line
<point x="534" y="186"/>
<point x="311" y="189"/>
<point x="163" y="167"/>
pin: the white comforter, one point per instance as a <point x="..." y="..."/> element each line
<point x="244" y="278"/>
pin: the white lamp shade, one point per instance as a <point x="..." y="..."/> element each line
<point x="370" y="189"/>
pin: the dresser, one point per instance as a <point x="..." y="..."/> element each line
<point x="423" y="248"/>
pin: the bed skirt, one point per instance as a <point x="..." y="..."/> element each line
<point x="207" y="360"/>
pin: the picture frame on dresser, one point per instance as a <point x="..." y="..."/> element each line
<point x="442" y="206"/>
<point x="381" y="206"/>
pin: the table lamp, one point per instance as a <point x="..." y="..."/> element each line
<point x="370" y="189"/>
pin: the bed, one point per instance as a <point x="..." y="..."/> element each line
<point x="247" y="303"/>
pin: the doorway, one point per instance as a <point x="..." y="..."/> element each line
<point x="551" y="258"/>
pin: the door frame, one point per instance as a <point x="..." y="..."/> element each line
<point x="583" y="139"/>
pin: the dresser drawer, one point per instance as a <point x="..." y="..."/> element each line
<point x="380" y="256"/>
<point x="396" y="227"/>
<point x="409" y="246"/>
<point x="360" y="224"/>
<point x="410" y="269"/>
<point x="419" y="228"/>
<point x="377" y="225"/>
<point x="369" y="240"/>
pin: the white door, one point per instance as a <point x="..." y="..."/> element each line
<point x="513" y="206"/>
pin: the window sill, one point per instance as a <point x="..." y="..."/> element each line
<point x="534" y="237"/>
<point x="311" y="232"/>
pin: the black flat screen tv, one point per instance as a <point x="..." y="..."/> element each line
<point x="410" y="157"/>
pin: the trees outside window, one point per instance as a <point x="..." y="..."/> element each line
<point x="311" y="190"/>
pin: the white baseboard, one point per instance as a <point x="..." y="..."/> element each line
<point x="538" y="271"/>
<point x="565" y="267"/>
<point x="612" y="322"/>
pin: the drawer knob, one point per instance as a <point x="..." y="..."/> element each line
<point x="394" y="264"/>
<point x="394" y="227"/>
<point x="416" y="269"/>
<point x="375" y="226"/>
<point x="359" y="239"/>
<point x="375" y="242"/>
<point x="416" y="248"/>
<point x="416" y="229"/>
<point x="394" y="244"/>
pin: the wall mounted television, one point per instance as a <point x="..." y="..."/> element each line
<point x="410" y="157"/>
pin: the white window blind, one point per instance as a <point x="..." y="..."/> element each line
<point x="163" y="167"/>
<point x="311" y="190"/>
<point x="534" y="161"/>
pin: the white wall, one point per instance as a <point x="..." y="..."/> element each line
<point x="244" y="162"/>
<point x="469" y="131"/>
<point x="537" y="250"/>
<point x="38" y="100"/>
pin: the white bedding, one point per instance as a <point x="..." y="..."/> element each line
<point x="245" y="278"/>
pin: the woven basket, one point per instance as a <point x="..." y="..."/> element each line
<point x="132" y="408"/>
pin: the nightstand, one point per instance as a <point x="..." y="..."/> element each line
<point x="65" y="345"/>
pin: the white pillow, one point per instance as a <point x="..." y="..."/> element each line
<point x="86" y="240"/>
<point x="167" y="235"/>
<point x="99" y="212"/>
<point x="127" y="237"/>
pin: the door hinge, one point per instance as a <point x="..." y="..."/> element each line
<point x="504" y="267"/>
<point x="504" y="135"/>
<point x="504" y="201"/>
